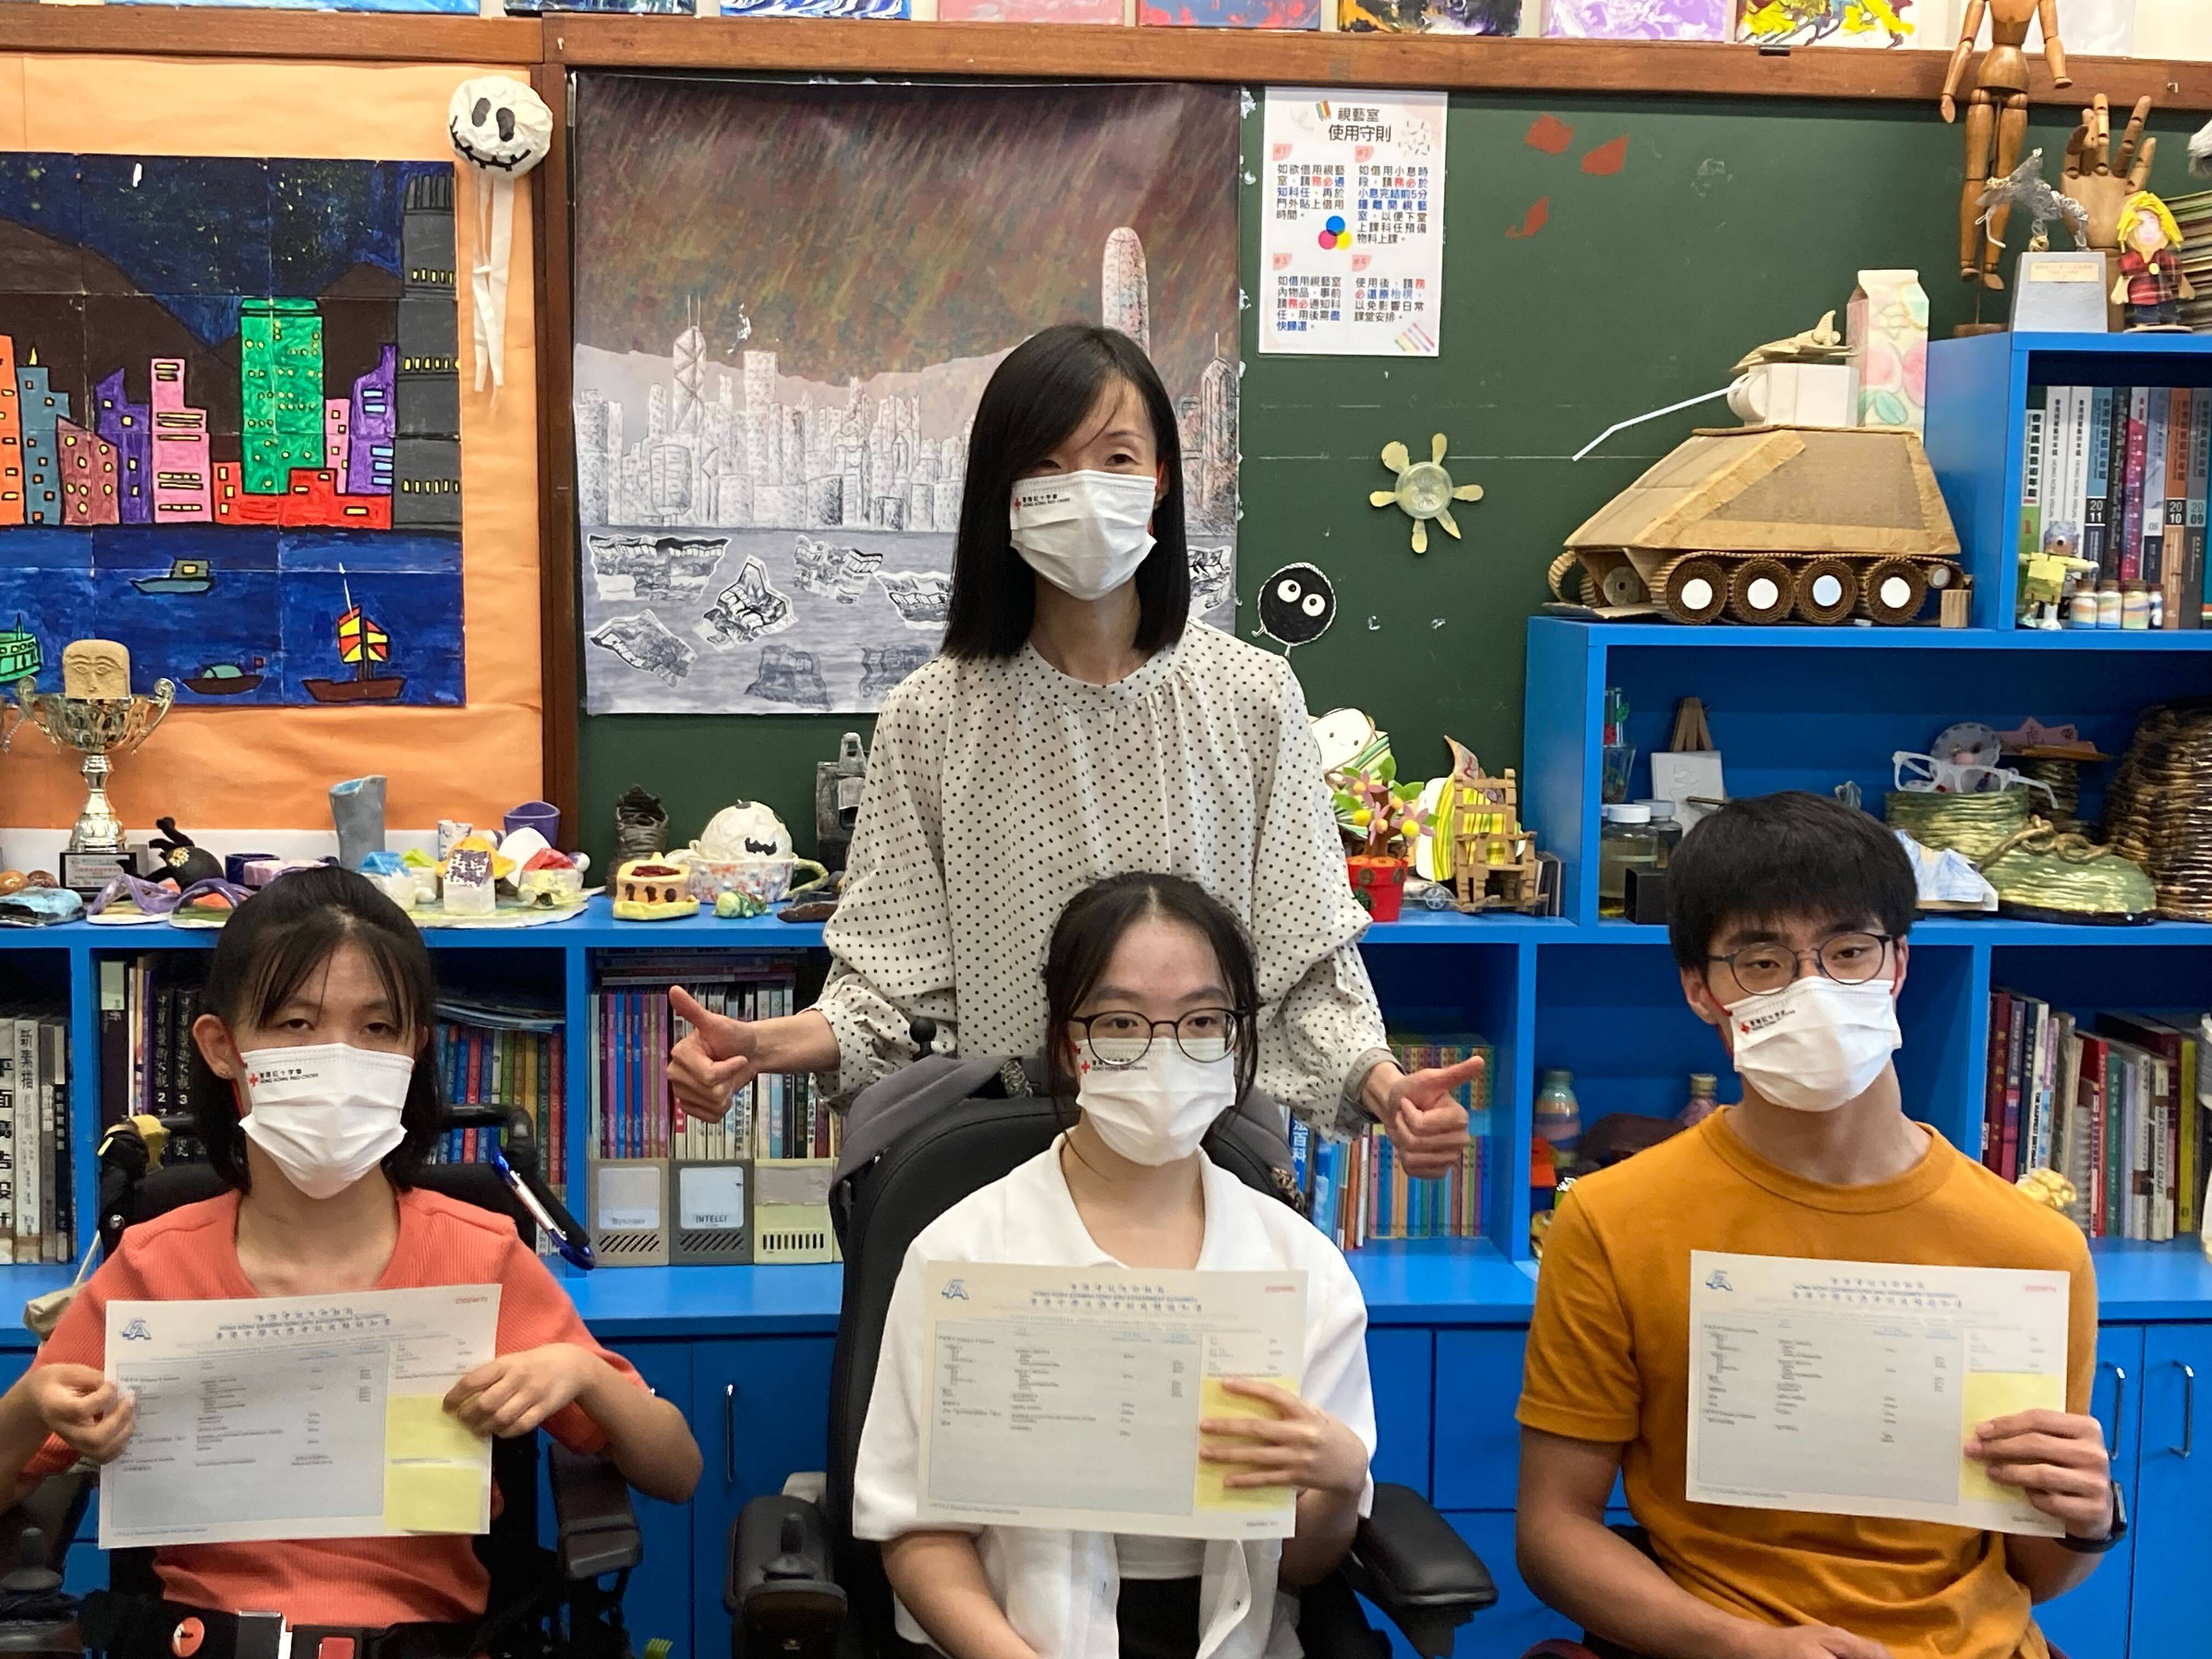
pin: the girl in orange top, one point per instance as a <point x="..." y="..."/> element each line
<point x="316" y="1107"/>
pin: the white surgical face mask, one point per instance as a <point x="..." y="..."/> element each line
<point x="1158" y="1110"/>
<point x="1815" y="1044"/>
<point x="327" y="1113"/>
<point x="1084" y="532"/>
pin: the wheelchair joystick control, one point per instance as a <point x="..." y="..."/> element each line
<point x="31" y="1575"/>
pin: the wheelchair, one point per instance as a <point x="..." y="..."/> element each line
<point x="800" y="1586"/>
<point x="559" y="1603"/>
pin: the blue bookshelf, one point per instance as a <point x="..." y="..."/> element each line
<point x="1977" y="390"/>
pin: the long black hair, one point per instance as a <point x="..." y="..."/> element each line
<point x="1084" y="940"/>
<point x="1036" y="398"/>
<point x="273" y="944"/>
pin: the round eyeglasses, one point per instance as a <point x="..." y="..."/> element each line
<point x="1847" y="958"/>
<point x="1121" y="1037"/>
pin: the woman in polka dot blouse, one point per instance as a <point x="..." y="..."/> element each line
<point x="1079" y="725"/>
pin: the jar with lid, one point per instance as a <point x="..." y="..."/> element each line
<point x="1625" y="841"/>
<point x="1666" y="826"/>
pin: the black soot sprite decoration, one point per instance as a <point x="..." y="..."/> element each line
<point x="1297" y="605"/>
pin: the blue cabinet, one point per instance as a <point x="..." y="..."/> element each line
<point x="2171" y="1499"/>
<point x="1478" y="1457"/>
<point x="659" y="1600"/>
<point x="1401" y="1363"/>
<point x="2091" y="1620"/>
<point x="760" y="1407"/>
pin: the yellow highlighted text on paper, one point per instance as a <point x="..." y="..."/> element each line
<point x="1215" y="1401"/>
<point x="436" y="1476"/>
<point x="2000" y="1394"/>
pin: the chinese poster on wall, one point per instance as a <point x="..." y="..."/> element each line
<point x="1352" y="241"/>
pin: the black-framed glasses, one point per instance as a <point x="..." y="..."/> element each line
<point x="1120" y="1037"/>
<point x="1847" y="958"/>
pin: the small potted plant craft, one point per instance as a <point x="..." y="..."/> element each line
<point x="1381" y="818"/>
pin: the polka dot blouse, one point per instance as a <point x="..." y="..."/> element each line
<point x="996" y="791"/>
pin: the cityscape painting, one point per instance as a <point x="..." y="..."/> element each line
<point x="772" y="402"/>
<point x="230" y="424"/>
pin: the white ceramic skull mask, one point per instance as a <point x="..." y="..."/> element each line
<point x="500" y="124"/>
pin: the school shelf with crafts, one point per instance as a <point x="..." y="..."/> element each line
<point x="527" y="485"/>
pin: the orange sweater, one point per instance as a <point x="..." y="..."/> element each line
<point x="192" y="1254"/>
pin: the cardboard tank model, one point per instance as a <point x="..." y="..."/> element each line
<point x="1799" y="514"/>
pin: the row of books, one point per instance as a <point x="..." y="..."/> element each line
<point x="2117" y="476"/>
<point x="147" y="1007"/>
<point x="38" y="1207"/>
<point x="632" y="1030"/>
<point x="504" y="1054"/>
<point x="2192" y="215"/>
<point x="2119" y="1104"/>
<point x="1355" y="1191"/>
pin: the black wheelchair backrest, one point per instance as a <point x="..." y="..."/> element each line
<point x="921" y="1174"/>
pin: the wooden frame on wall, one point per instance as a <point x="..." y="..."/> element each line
<point x="550" y="48"/>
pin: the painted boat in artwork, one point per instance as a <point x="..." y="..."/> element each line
<point x="364" y="644"/>
<point x="225" y="679"/>
<point x="19" y="652"/>
<point x="185" y="577"/>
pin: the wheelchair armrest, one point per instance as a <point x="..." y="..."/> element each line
<point x="1407" y="1561"/>
<point x="594" y="1520"/>
<point x="781" y="1590"/>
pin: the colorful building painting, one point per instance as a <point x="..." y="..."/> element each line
<point x="128" y="426"/>
<point x="263" y="371"/>
<point x="280" y="374"/>
<point x="181" y="492"/>
<point x="11" y="438"/>
<point x="39" y="407"/>
<point x="88" y="469"/>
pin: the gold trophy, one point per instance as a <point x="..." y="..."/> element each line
<point x="97" y="715"/>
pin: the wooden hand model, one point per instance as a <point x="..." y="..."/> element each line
<point x="1997" y="115"/>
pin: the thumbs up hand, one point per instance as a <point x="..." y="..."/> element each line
<point x="718" y="1058"/>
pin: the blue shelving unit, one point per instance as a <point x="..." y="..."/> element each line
<point x="1977" y="401"/>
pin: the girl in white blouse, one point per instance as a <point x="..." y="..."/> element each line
<point x="1079" y="724"/>
<point x="1151" y="992"/>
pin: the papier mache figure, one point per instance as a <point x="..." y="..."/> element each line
<point x="2151" y="282"/>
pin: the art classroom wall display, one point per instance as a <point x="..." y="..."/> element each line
<point x="230" y="424"/>
<point x="773" y="398"/>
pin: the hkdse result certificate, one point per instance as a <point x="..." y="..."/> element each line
<point x="298" y="1417"/>
<point x="1071" y="1397"/>
<point x="1850" y="1388"/>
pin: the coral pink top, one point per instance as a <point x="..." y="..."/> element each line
<point x="192" y="1254"/>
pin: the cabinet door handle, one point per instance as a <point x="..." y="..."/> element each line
<point x="729" y="1434"/>
<point x="2188" y="1411"/>
<point x="2119" y="1401"/>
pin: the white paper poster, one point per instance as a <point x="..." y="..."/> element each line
<point x="1351" y="244"/>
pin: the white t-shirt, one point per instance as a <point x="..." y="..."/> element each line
<point x="1060" y="1589"/>
<point x="998" y="791"/>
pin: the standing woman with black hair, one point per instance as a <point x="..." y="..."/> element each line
<point x="1078" y="724"/>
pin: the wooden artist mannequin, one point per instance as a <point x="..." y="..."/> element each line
<point x="1996" y="113"/>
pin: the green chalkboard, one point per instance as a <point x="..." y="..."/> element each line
<point x="1727" y="225"/>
